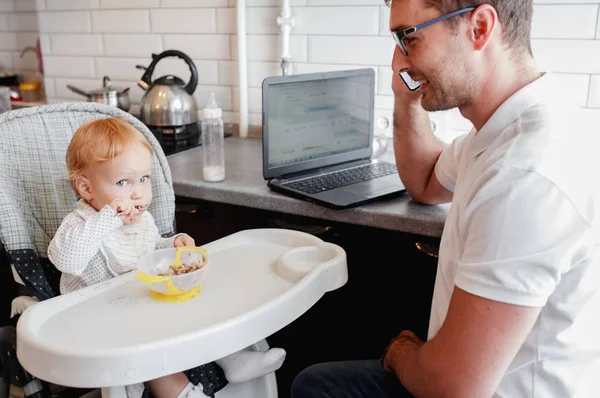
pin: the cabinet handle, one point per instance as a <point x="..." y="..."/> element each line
<point x="188" y="209"/>
<point x="309" y="229"/>
<point x="427" y="249"/>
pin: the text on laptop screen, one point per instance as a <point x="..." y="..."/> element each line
<point x="312" y="119"/>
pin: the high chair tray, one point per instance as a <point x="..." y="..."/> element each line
<point x="114" y="333"/>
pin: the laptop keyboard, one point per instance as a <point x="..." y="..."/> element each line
<point x="343" y="177"/>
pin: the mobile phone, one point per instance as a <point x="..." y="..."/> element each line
<point x="410" y="83"/>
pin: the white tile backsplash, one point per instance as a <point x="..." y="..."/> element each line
<point x="120" y="21"/>
<point x="84" y="39"/>
<point x="58" y="66"/>
<point x="121" y="68"/>
<point x="72" y="5"/>
<point x="5" y="60"/>
<point x="569" y="21"/>
<point x="268" y="48"/>
<point x="385" y="81"/>
<point x="65" y="22"/>
<point x="259" y="20"/>
<point x="24" y="22"/>
<point x="7" y="5"/>
<point x="257" y="71"/>
<point x="598" y="25"/>
<point x="25" y="5"/>
<point x="384" y="21"/>
<point x="594" y="94"/>
<point x="129" y="4"/>
<point x="4" y="22"/>
<point x="8" y="41"/>
<point x="575" y="87"/>
<point x="201" y="20"/>
<point x="254" y="100"/>
<point x="349" y="21"/>
<point x="568" y="56"/>
<point x="344" y="2"/>
<point x="49" y="87"/>
<point x="352" y="50"/>
<point x="76" y="44"/>
<point x="316" y="68"/>
<point x="192" y="3"/>
<point x="384" y="102"/>
<point x="132" y="45"/>
<point x="45" y="44"/>
<point x="214" y="47"/>
<point x="267" y="3"/>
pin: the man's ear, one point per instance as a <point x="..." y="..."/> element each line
<point x="484" y="21"/>
<point x="84" y="188"/>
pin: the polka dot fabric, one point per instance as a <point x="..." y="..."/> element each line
<point x="38" y="274"/>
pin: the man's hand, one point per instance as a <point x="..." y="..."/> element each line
<point x="184" y="240"/>
<point x="399" y="88"/>
<point x="400" y="347"/>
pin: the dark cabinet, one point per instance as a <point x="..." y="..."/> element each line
<point x="390" y="286"/>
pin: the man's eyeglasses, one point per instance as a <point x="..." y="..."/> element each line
<point x="400" y="35"/>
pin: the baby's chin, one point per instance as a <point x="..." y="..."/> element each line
<point x="132" y="219"/>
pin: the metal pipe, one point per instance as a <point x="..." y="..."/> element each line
<point x="242" y="67"/>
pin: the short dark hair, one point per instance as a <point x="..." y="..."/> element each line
<point x="514" y="15"/>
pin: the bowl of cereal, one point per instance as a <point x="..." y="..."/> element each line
<point x="171" y="280"/>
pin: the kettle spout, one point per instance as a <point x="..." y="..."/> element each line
<point x="143" y="85"/>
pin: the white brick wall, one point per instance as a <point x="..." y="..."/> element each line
<point x="83" y="40"/>
<point x="18" y="29"/>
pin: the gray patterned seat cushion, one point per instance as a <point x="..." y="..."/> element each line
<point x="35" y="192"/>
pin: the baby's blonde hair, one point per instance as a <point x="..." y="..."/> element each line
<point x="99" y="141"/>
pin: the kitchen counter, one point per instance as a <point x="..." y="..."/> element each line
<point x="244" y="186"/>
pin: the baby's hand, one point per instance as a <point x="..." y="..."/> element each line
<point x="184" y="240"/>
<point x="123" y="207"/>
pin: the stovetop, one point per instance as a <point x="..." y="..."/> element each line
<point x="178" y="139"/>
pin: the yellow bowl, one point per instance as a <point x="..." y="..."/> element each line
<point x="172" y="288"/>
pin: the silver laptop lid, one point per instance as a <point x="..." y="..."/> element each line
<point x="317" y="119"/>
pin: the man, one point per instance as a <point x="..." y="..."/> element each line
<point x="516" y="294"/>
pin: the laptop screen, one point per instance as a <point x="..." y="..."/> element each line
<point x="317" y="119"/>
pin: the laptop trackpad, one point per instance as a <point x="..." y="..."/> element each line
<point x="376" y="187"/>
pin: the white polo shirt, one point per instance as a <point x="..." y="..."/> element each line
<point x="523" y="228"/>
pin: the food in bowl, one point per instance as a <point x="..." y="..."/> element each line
<point x="184" y="268"/>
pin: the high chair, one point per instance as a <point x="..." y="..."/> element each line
<point x="258" y="281"/>
<point x="35" y="195"/>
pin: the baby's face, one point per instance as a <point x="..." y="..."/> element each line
<point x="127" y="176"/>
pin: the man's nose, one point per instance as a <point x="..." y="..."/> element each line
<point x="400" y="61"/>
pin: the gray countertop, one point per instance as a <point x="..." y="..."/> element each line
<point x="244" y="186"/>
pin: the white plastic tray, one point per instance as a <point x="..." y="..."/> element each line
<point x="115" y="334"/>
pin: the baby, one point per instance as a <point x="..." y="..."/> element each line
<point x="110" y="164"/>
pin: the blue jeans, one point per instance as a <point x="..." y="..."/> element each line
<point x="351" y="379"/>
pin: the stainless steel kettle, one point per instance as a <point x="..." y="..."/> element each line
<point x="168" y="100"/>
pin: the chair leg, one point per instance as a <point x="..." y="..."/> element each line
<point x="4" y="388"/>
<point x="12" y="371"/>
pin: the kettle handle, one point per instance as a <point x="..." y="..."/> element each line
<point x="192" y="84"/>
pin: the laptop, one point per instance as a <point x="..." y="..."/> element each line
<point x="317" y="139"/>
